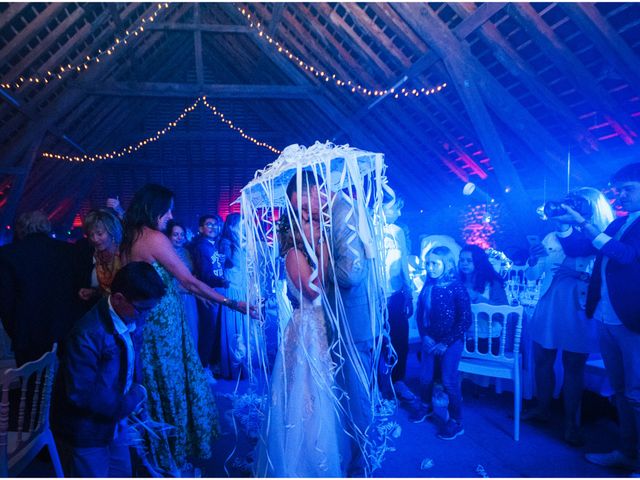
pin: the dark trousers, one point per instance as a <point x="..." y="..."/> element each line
<point x="399" y="333"/>
<point x="449" y="363"/>
<point x="209" y="334"/>
<point x="573" y="364"/>
<point x="110" y="461"/>
<point x="620" y="349"/>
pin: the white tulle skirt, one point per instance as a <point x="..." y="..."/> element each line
<point x="301" y="436"/>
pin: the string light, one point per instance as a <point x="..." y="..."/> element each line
<point x="328" y="77"/>
<point x="230" y="124"/>
<point x="128" y="150"/>
<point x="57" y="73"/>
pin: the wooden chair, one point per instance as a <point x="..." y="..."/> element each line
<point x="492" y="348"/>
<point x="33" y="382"/>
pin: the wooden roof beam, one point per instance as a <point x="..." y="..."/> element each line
<point x="427" y="60"/>
<point x="44" y="45"/>
<point x="357" y="44"/>
<point x="565" y="61"/>
<point x="606" y="39"/>
<point x="197" y="27"/>
<point x="190" y="90"/>
<point x="197" y="46"/>
<point x="56" y="60"/>
<point x="276" y="18"/>
<point x="11" y="11"/>
<point x="519" y="120"/>
<point x="29" y="31"/>
<point x="60" y="106"/>
<point x="513" y="62"/>
<point x="456" y="59"/>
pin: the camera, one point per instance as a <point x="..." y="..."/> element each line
<point x="579" y="204"/>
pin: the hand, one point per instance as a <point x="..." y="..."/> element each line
<point x="115" y="204"/>
<point x="439" y="349"/>
<point x="571" y="217"/>
<point x="87" y="294"/>
<point x="536" y="251"/>
<point x="242" y="308"/>
<point x="562" y="271"/>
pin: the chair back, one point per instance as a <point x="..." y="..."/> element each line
<point x="25" y="398"/>
<point x="495" y="332"/>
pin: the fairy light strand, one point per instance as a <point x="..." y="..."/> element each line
<point x="328" y="77"/>
<point x="59" y="72"/>
<point x="230" y="124"/>
<point x="128" y="150"/>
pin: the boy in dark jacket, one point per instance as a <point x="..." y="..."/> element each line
<point x="98" y="385"/>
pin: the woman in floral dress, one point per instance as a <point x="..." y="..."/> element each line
<point x="178" y="392"/>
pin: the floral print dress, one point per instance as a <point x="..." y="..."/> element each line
<point x="177" y="388"/>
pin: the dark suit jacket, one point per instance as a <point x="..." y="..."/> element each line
<point x="89" y="396"/>
<point x="622" y="274"/>
<point x="39" y="301"/>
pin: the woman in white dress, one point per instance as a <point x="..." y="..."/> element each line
<point x="300" y="433"/>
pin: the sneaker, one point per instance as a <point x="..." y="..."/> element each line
<point x="403" y="392"/>
<point x="614" y="459"/>
<point x="420" y="413"/>
<point x="451" y="430"/>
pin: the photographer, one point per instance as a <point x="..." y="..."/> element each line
<point x="566" y="259"/>
<point x="613" y="304"/>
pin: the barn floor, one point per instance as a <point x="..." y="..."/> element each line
<point x="486" y="448"/>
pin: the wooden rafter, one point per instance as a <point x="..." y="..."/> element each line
<point x="437" y="35"/>
<point x="28" y="32"/>
<point x="565" y="61"/>
<point x="610" y="43"/>
<point x="197" y="27"/>
<point x="519" y="120"/>
<point x="197" y="46"/>
<point x="190" y="90"/>
<point x="515" y="64"/>
<point x="49" y="117"/>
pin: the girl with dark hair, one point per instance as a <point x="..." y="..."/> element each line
<point x="483" y="283"/>
<point x="443" y="316"/>
<point x="179" y="393"/>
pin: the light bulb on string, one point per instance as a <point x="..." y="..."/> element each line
<point x="300" y="63"/>
<point x="133" y="148"/>
<point x="37" y="78"/>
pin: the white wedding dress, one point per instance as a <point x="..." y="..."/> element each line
<point x="300" y="434"/>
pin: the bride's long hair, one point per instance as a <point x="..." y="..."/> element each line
<point x="290" y="236"/>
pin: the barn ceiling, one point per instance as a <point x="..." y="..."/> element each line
<point x="524" y="87"/>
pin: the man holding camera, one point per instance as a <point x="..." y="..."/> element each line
<point x="612" y="301"/>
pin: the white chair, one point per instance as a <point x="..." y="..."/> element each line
<point x="492" y="348"/>
<point x="33" y="382"/>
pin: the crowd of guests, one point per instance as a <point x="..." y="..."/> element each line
<point x="589" y="271"/>
<point x="146" y="321"/>
<point x="121" y="304"/>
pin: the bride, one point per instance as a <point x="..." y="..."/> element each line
<point x="300" y="430"/>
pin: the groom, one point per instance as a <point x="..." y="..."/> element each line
<point x="351" y="271"/>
